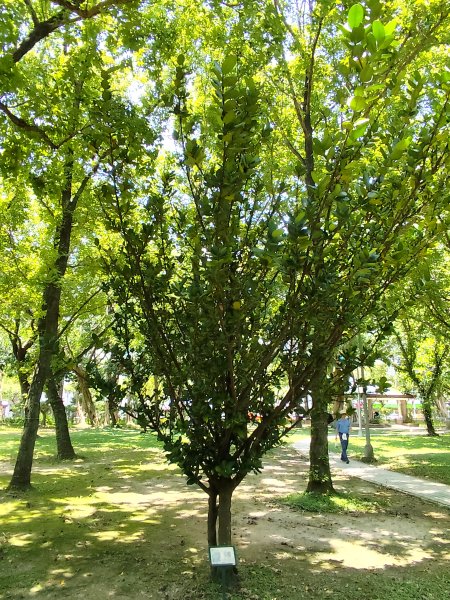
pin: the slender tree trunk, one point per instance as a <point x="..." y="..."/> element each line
<point x="426" y="407"/>
<point x="212" y="517"/>
<point x="442" y="407"/>
<point x="320" y="481"/>
<point x="80" y="412"/>
<point x="21" y="479"/>
<point x="24" y="390"/>
<point x="369" y="456"/>
<point x="64" y="446"/>
<point x="47" y="332"/>
<point x="44" y="412"/>
<point x="224" y="512"/>
<point x="20" y="352"/>
<point x="86" y="396"/>
<point x="24" y="386"/>
<point x="112" y="412"/>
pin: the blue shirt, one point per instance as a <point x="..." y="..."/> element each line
<point x="343" y="425"/>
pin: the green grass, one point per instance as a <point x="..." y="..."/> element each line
<point x="90" y="441"/>
<point x="107" y="525"/>
<point x="335" y="503"/>
<point x="417" y="455"/>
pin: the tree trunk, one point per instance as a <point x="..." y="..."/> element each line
<point x="24" y="391"/>
<point x="320" y="481"/>
<point x="47" y="331"/>
<point x="426" y="407"/>
<point x="87" y="403"/>
<point x="24" y="386"/>
<point x="44" y="412"/>
<point x="369" y="456"/>
<point x="219" y="512"/>
<point x="212" y="517"/>
<point x="442" y="408"/>
<point x="226" y="489"/>
<point x="21" y="479"/>
<point x="64" y="446"/>
<point x="219" y="523"/>
<point x="112" y="412"/>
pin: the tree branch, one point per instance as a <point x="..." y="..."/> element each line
<point x="43" y="29"/>
<point x="22" y="124"/>
<point x="33" y="14"/>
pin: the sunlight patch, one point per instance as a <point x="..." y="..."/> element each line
<point x="132" y="498"/>
<point x="80" y="512"/>
<point x="24" y="539"/>
<point x="118" y="536"/>
<point x="352" y="554"/>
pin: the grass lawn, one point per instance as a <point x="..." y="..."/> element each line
<point x="120" y="523"/>
<point x="415" y="454"/>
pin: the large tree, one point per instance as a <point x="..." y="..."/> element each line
<point x="58" y="125"/>
<point x="243" y="271"/>
<point x="364" y="120"/>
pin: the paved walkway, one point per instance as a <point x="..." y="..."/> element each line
<point x="422" y="488"/>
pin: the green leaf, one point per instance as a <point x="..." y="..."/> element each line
<point x="366" y="74"/>
<point x="230" y="105"/>
<point x="358" y="103"/>
<point x="229" y="117"/>
<point x="230" y="80"/>
<point x="355" y="16"/>
<point x="229" y="63"/>
<point x="389" y="28"/>
<point x="378" y="31"/>
<point x="300" y="217"/>
<point x="360" y="127"/>
<point x="400" y="147"/>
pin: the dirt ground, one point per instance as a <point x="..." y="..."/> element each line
<point x="146" y="538"/>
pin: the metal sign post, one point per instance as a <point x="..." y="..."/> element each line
<point x="223" y="558"/>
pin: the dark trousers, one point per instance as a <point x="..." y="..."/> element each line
<point x="344" y="446"/>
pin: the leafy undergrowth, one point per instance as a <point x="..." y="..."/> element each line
<point x="333" y="503"/>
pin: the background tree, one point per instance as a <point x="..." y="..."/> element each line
<point x="349" y="94"/>
<point x="52" y="100"/>
<point x="423" y="359"/>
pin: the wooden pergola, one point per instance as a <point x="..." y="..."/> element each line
<point x="401" y="399"/>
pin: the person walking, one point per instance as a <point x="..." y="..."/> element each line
<point x="343" y="430"/>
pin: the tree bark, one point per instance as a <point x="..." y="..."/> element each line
<point x="87" y="403"/>
<point x="219" y="522"/>
<point x="442" y="407"/>
<point x="112" y="412"/>
<point x="212" y="516"/>
<point x="24" y="385"/>
<point x="226" y="489"/>
<point x="21" y="479"/>
<point x="426" y="407"/>
<point x="320" y="481"/>
<point x="64" y="446"/>
<point x="219" y="512"/>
